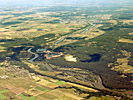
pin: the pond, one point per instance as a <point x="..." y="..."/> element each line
<point x="94" y="58"/>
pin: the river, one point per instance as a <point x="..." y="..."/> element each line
<point x="35" y="55"/>
<point x="72" y="34"/>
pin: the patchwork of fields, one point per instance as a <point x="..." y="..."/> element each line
<point x="95" y="51"/>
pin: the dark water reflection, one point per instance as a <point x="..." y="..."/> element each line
<point x="94" y="58"/>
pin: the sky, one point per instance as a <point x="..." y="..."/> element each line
<point x="54" y="2"/>
<point x="41" y="2"/>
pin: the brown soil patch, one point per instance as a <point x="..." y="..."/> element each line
<point x="131" y="33"/>
<point x="9" y="86"/>
<point x="14" y="89"/>
<point x="113" y="21"/>
<point x="18" y="90"/>
<point x="127" y="21"/>
<point x="52" y="85"/>
<point x="34" y="92"/>
<point x="59" y="94"/>
<point x="126" y="40"/>
<point x="2" y="33"/>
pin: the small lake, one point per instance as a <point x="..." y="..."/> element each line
<point x="94" y="58"/>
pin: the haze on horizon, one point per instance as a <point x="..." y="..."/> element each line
<point x="57" y="2"/>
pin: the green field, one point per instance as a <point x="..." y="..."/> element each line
<point x="1" y="95"/>
<point x="60" y="82"/>
<point x="27" y="98"/>
<point x="42" y="89"/>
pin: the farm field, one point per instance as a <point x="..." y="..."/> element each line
<point x="67" y="52"/>
<point x="1" y="94"/>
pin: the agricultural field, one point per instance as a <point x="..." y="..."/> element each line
<point x="1" y="94"/>
<point x="66" y="53"/>
<point x="35" y="87"/>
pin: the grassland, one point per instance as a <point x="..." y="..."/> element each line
<point x="60" y="82"/>
<point x="1" y="94"/>
<point x="42" y="89"/>
<point x="27" y="98"/>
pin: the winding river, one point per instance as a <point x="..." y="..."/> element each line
<point x="99" y="84"/>
<point x="35" y="55"/>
